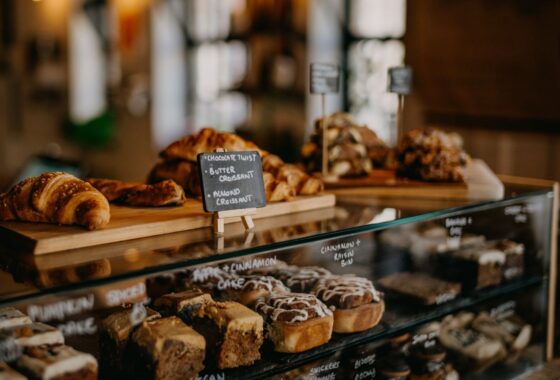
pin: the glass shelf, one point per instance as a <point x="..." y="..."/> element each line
<point x="403" y="318"/>
<point x="26" y="276"/>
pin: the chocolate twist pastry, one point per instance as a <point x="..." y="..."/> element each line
<point x="346" y="292"/>
<point x="57" y="198"/>
<point x="164" y="193"/>
<point x="291" y="307"/>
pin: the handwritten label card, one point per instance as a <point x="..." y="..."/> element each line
<point x="324" y="78"/>
<point x="400" y="80"/>
<point x="231" y="181"/>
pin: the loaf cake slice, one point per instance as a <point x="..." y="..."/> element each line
<point x="58" y="362"/>
<point x="166" y="348"/>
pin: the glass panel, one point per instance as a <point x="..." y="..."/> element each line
<point x="33" y="275"/>
<point x="468" y="243"/>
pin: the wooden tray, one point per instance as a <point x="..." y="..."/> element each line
<point x="481" y="183"/>
<point x="132" y="223"/>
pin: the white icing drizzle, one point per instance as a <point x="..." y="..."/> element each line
<point x="305" y="276"/>
<point x="267" y="283"/>
<point x="279" y="304"/>
<point x="345" y="286"/>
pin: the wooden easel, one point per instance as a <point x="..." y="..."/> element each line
<point x="246" y="215"/>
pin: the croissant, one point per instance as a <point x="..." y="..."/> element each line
<point x="184" y="173"/>
<point x="57" y="198"/>
<point x="164" y="193"/>
<point x="276" y="190"/>
<point x="293" y="175"/>
<point x="207" y="140"/>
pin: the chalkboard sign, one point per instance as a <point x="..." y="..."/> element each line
<point x="400" y="80"/>
<point x="324" y="78"/>
<point x="231" y="180"/>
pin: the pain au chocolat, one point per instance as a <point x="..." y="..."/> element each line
<point x="357" y="305"/>
<point x="296" y="322"/>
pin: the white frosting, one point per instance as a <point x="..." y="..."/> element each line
<point x="280" y="304"/>
<point x="345" y="286"/>
<point x="41" y="334"/>
<point x="58" y="361"/>
<point x="10" y="317"/>
<point x="483" y="256"/>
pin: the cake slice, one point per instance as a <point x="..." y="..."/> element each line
<point x="421" y="287"/>
<point x="475" y="268"/>
<point x="8" y="373"/>
<point x="233" y="332"/>
<point x="58" y="362"/>
<point x="475" y="350"/>
<point x="166" y="348"/>
<point x="357" y="305"/>
<point x="35" y="334"/>
<point x="515" y="258"/>
<point x="511" y="331"/>
<point x="296" y="322"/>
<point x="114" y="334"/>
<point x="11" y="317"/>
<point x="241" y="333"/>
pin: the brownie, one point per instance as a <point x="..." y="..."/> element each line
<point x="11" y="317"/>
<point x="8" y="373"/>
<point x="515" y="258"/>
<point x="475" y="268"/>
<point x="57" y="362"/>
<point x="166" y="348"/>
<point x="114" y="334"/>
<point x="421" y="287"/>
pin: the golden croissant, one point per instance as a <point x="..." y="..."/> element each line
<point x="57" y="198"/>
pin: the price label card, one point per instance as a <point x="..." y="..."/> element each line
<point x="324" y="78"/>
<point x="400" y="80"/>
<point x="231" y="181"/>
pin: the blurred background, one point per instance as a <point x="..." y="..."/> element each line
<point x="99" y="87"/>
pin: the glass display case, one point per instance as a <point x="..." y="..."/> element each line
<point x="462" y="289"/>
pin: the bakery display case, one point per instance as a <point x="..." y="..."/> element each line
<point x="369" y="288"/>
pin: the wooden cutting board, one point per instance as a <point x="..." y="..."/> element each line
<point x="132" y="223"/>
<point x="481" y="183"/>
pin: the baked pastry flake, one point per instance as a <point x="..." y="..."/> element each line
<point x="56" y="198"/>
<point x="163" y="193"/>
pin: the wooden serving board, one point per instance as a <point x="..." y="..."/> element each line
<point x="132" y="223"/>
<point x="481" y="183"/>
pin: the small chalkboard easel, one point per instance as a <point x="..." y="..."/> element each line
<point x="324" y="78"/>
<point x="246" y="215"/>
<point x="231" y="180"/>
<point x="400" y="83"/>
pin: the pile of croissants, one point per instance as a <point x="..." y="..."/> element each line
<point x="60" y="198"/>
